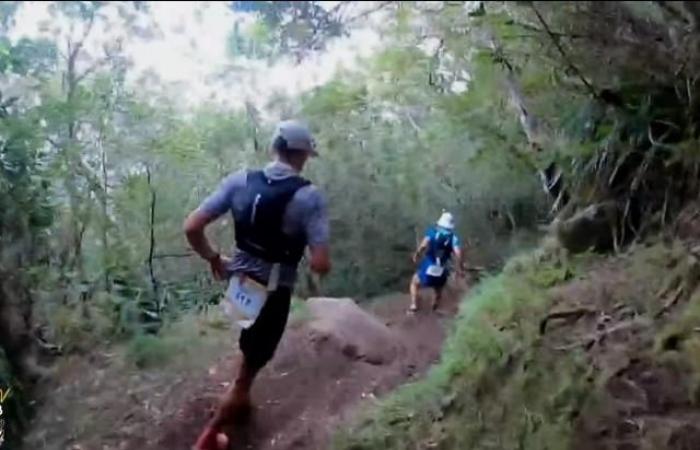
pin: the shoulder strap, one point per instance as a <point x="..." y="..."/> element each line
<point x="443" y="241"/>
<point x="288" y="185"/>
<point x="259" y="224"/>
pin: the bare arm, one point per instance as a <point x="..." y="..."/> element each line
<point x="459" y="259"/>
<point x="214" y="206"/>
<point x="421" y="248"/>
<point x="194" y="227"/>
<point x="317" y="230"/>
<point x="320" y="261"/>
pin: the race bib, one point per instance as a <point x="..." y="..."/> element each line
<point x="247" y="298"/>
<point x="435" y="270"/>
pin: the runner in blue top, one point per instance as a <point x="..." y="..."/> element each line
<point x="438" y="246"/>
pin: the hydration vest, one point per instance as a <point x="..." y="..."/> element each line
<point x="259" y="224"/>
<point x="440" y="247"/>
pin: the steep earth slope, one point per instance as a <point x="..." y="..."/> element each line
<point x="333" y="358"/>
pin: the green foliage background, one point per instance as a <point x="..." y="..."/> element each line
<point x="97" y="174"/>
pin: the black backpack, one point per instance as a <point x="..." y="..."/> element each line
<point x="442" y="244"/>
<point x="259" y="224"/>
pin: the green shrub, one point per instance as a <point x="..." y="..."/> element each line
<point x="146" y="351"/>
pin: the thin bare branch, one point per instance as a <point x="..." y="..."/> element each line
<point x="559" y="34"/>
<point x="97" y="64"/>
<point x="412" y="122"/>
<point x="368" y="12"/>
<point x="174" y="255"/>
<point x="152" y="240"/>
<point x="79" y="45"/>
<point x="557" y="44"/>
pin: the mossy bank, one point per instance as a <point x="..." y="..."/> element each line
<point x="590" y="352"/>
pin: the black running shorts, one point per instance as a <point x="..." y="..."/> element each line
<point x="259" y="342"/>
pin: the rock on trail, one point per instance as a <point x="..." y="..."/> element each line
<point x="352" y="330"/>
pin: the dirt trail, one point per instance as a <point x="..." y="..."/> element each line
<point x="309" y="387"/>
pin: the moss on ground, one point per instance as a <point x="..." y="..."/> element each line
<point x="299" y="311"/>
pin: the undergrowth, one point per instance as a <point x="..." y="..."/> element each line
<point x="189" y="342"/>
<point x="486" y="393"/>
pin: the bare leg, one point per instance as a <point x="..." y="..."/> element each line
<point x="233" y="408"/>
<point x="413" y="290"/>
<point x="235" y="404"/>
<point x="438" y="298"/>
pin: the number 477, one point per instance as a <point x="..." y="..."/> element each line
<point x="243" y="298"/>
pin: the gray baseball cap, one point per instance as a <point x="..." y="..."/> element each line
<point x="294" y="135"/>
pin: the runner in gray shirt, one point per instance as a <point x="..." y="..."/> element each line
<point x="306" y="216"/>
<point x="277" y="215"/>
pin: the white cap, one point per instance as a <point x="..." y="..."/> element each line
<point x="446" y="221"/>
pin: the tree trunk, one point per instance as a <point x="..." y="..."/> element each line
<point x="535" y="131"/>
<point x="16" y="306"/>
<point x="68" y="149"/>
<point x="105" y="217"/>
<point x="152" y="244"/>
<point x="71" y="81"/>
